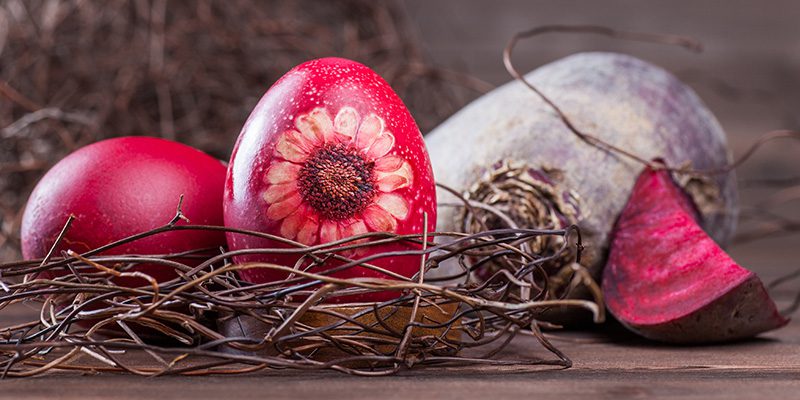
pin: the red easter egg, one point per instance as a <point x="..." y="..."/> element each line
<point x="329" y="152"/>
<point x="120" y="187"/>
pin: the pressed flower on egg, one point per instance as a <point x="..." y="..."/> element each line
<point x="336" y="178"/>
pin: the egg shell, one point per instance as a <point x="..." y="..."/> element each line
<point x="121" y="187"/>
<point x="348" y="104"/>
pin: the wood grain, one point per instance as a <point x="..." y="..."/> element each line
<point x="609" y="363"/>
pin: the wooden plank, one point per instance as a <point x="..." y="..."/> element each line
<point x="471" y="383"/>
<point x="614" y="366"/>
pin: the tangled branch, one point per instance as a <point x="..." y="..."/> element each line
<point x="207" y="321"/>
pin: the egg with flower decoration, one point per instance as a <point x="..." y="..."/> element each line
<point x="330" y="152"/>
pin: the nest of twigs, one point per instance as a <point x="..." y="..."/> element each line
<point x="207" y="321"/>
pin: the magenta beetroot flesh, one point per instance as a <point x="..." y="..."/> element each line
<point x="667" y="280"/>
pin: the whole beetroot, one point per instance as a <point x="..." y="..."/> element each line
<point x="516" y="154"/>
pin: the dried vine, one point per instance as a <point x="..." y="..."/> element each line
<point x="183" y="326"/>
<point x="591" y="139"/>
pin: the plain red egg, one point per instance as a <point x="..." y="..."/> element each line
<point x="121" y="187"/>
<point x="328" y="153"/>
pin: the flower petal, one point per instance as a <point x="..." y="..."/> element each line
<point x="390" y="183"/>
<point x="316" y="124"/>
<point x="389" y="163"/>
<point x="289" y="149"/>
<point x="379" y="219"/>
<point x="350" y="228"/>
<point x="329" y="232"/>
<point x="301" y="141"/>
<point x="370" y="129"/>
<point x="402" y="177"/>
<point x="381" y="145"/>
<point x="346" y="122"/>
<point x="291" y="225"/>
<point x="353" y="228"/>
<point x="308" y="130"/>
<point x="308" y="232"/>
<point x="278" y="192"/>
<point x="394" y="204"/>
<point x="284" y="208"/>
<point x="282" y="172"/>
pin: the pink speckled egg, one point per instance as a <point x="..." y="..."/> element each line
<point x="328" y="153"/>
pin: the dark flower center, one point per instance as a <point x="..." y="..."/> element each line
<point x="337" y="181"/>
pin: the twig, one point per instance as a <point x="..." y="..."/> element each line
<point x="359" y="346"/>
<point x="589" y="138"/>
<point x="45" y="113"/>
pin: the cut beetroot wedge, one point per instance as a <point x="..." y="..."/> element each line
<point x="667" y="280"/>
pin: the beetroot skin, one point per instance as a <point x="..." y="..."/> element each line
<point x="328" y="153"/>
<point x="667" y="280"/>
<point x="619" y="99"/>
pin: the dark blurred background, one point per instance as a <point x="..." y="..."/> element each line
<point x="73" y="72"/>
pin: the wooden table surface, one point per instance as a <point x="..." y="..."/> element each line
<point x="605" y="366"/>
<point x="623" y="367"/>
